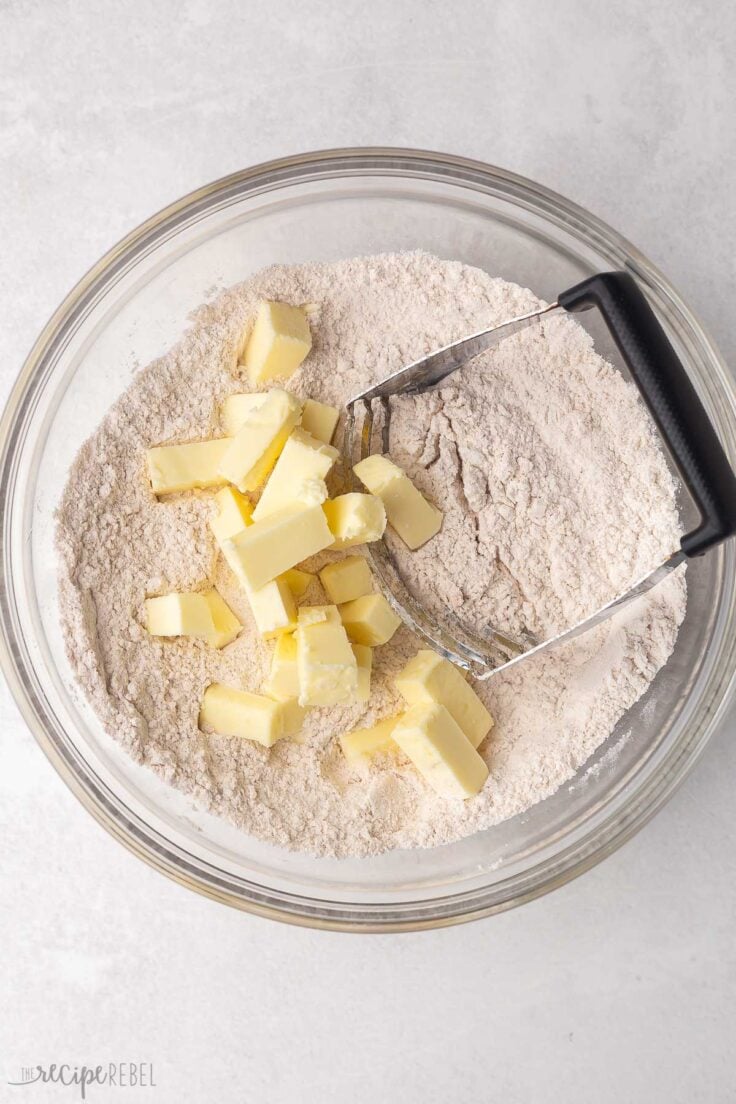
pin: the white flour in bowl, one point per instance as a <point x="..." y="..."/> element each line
<point x="555" y="493"/>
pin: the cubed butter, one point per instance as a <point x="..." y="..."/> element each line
<point x="312" y="615"/>
<point x="298" y="581"/>
<point x="369" y="620"/>
<point x="174" y="468"/>
<point x="234" y="512"/>
<point x="283" y="680"/>
<point x="205" y="616"/>
<point x="430" y="678"/>
<point x="320" y="420"/>
<point x="364" y="658"/>
<point x="236" y="408"/>
<point x="327" y="667"/>
<point x="230" y="712"/>
<point x="408" y="511"/>
<point x="278" y="343"/>
<point x="178" y="615"/>
<point x="363" y="743"/>
<point x="273" y="606"/>
<point x="256" y="446"/>
<point x="440" y="751"/>
<point x="355" y="519"/>
<point x="346" y="579"/>
<point x="270" y="547"/>
<point x="226" y="626"/>
<point x="299" y="475"/>
<point x="293" y="715"/>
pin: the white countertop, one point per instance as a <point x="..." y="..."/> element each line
<point x="619" y="987"/>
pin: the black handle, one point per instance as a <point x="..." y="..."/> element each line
<point x="671" y="398"/>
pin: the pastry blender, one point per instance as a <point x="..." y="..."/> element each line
<point x="672" y="402"/>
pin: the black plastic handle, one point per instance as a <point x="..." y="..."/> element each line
<point x="671" y="399"/>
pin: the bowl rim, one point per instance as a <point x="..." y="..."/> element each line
<point x="571" y="861"/>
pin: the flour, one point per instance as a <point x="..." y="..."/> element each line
<point x="555" y="493"/>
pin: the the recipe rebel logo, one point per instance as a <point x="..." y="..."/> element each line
<point x="118" y="1075"/>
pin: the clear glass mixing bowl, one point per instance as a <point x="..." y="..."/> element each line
<point x="131" y="307"/>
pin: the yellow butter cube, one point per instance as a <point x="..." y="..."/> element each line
<point x="313" y="615"/>
<point x="283" y="680"/>
<point x="364" y="658"/>
<point x="355" y="519"/>
<point x="346" y="579"/>
<point x="363" y="743"/>
<point x="327" y="667"/>
<point x="369" y="620"/>
<point x="430" y="678"/>
<point x="235" y="410"/>
<point x="299" y="475"/>
<point x="294" y="716"/>
<point x="272" y="605"/>
<point x="278" y="343"/>
<point x="234" y="512"/>
<point x="205" y="616"/>
<point x="188" y="467"/>
<point x="298" y="581"/>
<point x="273" y="608"/>
<point x="377" y="471"/>
<point x="225" y="624"/>
<point x="320" y="420"/>
<point x="414" y="518"/>
<point x="230" y="712"/>
<point x="178" y="615"/>
<point x="440" y="751"/>
<point x="256" y="446"/>
<point x="270" y="547"/>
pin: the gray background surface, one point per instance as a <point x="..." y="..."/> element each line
<point x="619" y="987"/>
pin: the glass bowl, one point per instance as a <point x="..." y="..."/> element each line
<point x="130" y="308"/>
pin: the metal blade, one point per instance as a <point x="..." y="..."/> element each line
<point x="436" y="366"/>
<point x="641" y="587"/>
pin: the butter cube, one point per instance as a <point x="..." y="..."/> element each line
<point x="346" y="579"/>
<point x="313" y="615"/>
<point x="273" y="608"/>
<point x="328" y="670"/>
<point x="232" y="712"/>
<point x="414" y="519"/>
<point x="299" y="475"/>
<point x="225" y="624"/>
<point x="283" y="680"/>
<point x="298" y="581"/>
<point x="369" y="620"/>
<point x="363" y="743"/>
<point x="293" y="715"/>
<point x="320" y="420"/>
<point x="272" y="605"/>
<point x="429" y="678"/>
<point x="440" y="751"/>
<point x="205" y="616"/>
<point x="234" y="512"/>
<point x="364" y="658"/>
<point x="179" y="615"/>
<point x="278" y="343"/>
<point x="174" y="468"/>
<point x="270" y="547"/>
<point x="236" y="409"/>
<point x="377" y="471"/>
<point x="255" y="448"/>
<point x="355" y="519"/>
